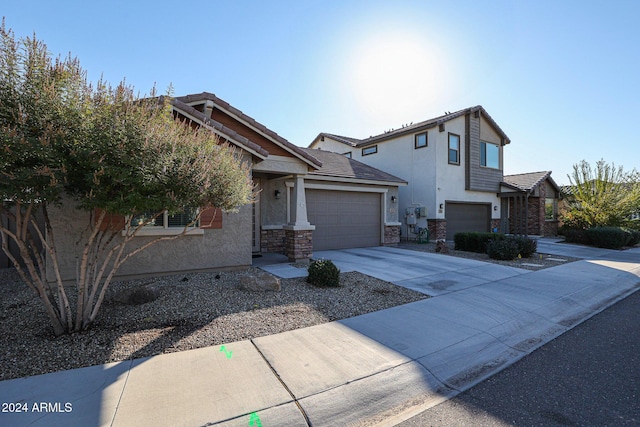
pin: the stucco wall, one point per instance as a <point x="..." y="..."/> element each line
<point x="225" y="248"/>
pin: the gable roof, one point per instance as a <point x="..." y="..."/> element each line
<point x="182" y="103"/>
<point x="336" y="165"/>
<point x="416" y="127"/>
<point x="529" y="181"/>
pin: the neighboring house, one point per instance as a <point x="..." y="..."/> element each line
<point x="307" y="200"/>
<point x="530" y="204"/>
<point x="453" y="164"/>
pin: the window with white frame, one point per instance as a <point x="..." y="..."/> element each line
<point x="489" y="155"/>
<point x="178" y="220"/>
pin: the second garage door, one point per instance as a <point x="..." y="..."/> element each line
<point x="344" y="219"/>
<point x="463" y="217"/>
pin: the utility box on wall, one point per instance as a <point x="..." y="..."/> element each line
<point x="410" y="217"/>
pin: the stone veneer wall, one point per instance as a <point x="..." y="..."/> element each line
<point x="437" y="229"/>
<point x="298" y="244"/>
<point x="272" y="241"/>
<point x="391" y="235"/>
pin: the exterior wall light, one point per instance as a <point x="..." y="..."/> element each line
<point x="495" y="207"/>
<point x="277" y="194"/>
<point x="394" y="199"/>
<point x="441" y="205"/>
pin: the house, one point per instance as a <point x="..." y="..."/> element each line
<point x="453" y="165"/>
<point x="530" y="204"/>
<point x="307" y="200"/>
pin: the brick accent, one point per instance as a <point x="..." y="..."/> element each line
<point x="391" y="235"/>
<point x="298" y="244"/>
<point x="437" y="229"/>
<point x="551" y="228"/>
<point x="272" y="241"/>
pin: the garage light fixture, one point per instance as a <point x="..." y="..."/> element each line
<point x="277" y="194"/>
<point x="394" y="199"/>
<point x="441" y="205"/>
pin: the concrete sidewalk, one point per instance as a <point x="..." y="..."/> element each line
<point x="381" y="367"/>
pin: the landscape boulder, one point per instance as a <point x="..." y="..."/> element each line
<point x="259" y="282"/>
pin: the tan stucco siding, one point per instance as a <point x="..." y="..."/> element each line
<point x="228" y="247"/>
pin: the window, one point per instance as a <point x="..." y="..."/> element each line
<point x="489" y="155"/>
<point x="165" y="224"/>
<point x="550" y="209"/>
<point x="347" y="154"/>
<point x="454" y="149"/>
<point x="420" y="140"/>
<point x="370" y="150"/>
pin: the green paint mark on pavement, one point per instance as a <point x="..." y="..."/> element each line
<point x="227" y="353"/>
<point x="255" y="420"/>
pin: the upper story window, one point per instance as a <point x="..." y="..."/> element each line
<point x="420" y="140"/>
<point x="489" y="155"/>
<point x="348" y="154"/>
<point x="454" y="149"/>
<point x="369" y="150"/>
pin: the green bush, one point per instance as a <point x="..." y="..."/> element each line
<point x="608" y="237"/>
<point x="574" y="235"/>
<point x="526" y="246"/>
<point x="635" y="237"/>
<point x="323" y="273"/>
<point x="475" y="242"/>
<point x="503" y="249"/>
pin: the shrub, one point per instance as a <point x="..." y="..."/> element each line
<point x="503" y="249"/>
<point x="635" y="237"/>
<point x="526" y="246"/>
<point x="475" y="242"/>
<point x="323" y="273"/>
<point x="608" y="237"/>
<point x="574" y="235"/>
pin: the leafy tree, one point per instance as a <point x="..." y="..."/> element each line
<point x="602" y="196"/>
<point x="107" y="152"/>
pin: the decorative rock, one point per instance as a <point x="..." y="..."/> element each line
<point x="259" y="282"/>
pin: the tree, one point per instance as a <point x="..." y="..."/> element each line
<point x="602" y="196"/>
<point x="110" y="154"/>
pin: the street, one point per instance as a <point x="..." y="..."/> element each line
<point x="589" y="376"/>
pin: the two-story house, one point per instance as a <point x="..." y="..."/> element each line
<point x="453" y="165"/>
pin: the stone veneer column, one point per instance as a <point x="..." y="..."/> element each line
<point x="391" y="235"/>
<point x="437" y="229"/>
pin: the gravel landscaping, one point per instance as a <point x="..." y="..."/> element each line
<point x="191" y="311"/>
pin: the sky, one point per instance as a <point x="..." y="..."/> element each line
<point x="561" y="78"/>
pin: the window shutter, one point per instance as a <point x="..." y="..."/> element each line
<point x="211" y="218"/>
<point x="111" y="222"/>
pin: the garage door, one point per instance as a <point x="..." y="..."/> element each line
<point x="463" y="217"/>
<point x="344" y="219"/>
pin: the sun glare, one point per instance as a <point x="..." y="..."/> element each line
<point x="397" y="76"/>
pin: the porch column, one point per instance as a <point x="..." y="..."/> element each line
<point x="299" y="203"/>
<point x="299" y="232"/>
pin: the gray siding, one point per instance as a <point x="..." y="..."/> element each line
<point x="478" y="178"/>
